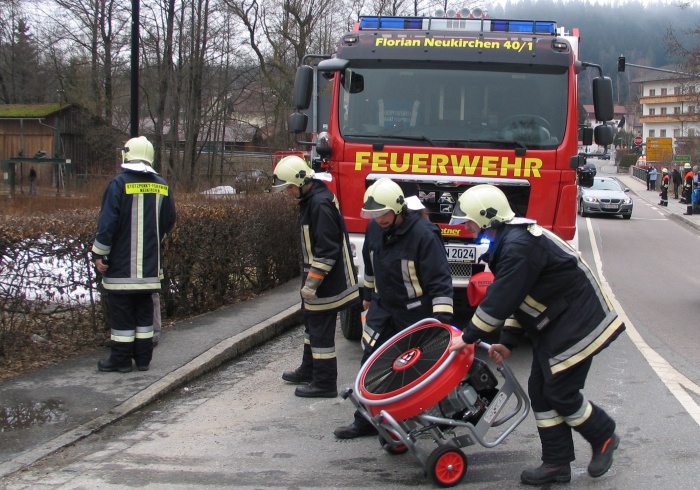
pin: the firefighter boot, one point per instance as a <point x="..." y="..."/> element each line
<point x="603" y="456"/>
<point x="119" y="358"/>
<point x="688" y="211"/>
<point x="302" y="374"/>
<point x="547" y="473"/>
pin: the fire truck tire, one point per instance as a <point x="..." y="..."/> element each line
<point x="350" y="323"/>
<point x="446" y="466"/>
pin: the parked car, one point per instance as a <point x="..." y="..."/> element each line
<point x="252" y="180"/>
<point x="606" y="196"/>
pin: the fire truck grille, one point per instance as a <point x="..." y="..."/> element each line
<point x="461" y="271"/>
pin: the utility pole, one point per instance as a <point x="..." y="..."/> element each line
<point x="134" y="68"/>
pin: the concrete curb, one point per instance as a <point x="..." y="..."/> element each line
<point x="207" y="361"/>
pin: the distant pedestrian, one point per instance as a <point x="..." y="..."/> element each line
<point x="652" y="178"/>
<point x="664" y="187"/>
<point x="696" y="174"/>
<point x="328" y="280"/>
<point x="687" y="189"/>
<point x="677" y="179"/>
<point x="138" y="210"/>
<point x="649" y="178"/>
<point x="32" y="181"/>
<point x="696" y="199"/>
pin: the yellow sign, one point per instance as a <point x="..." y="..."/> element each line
<point x="659" y="149"/>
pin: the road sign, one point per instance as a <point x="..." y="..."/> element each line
<point x="659" y="149"/>
<point x="638" y="140"/>
<point x="681" y="158"/>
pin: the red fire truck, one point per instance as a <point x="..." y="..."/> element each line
<point x="441" y="104"/>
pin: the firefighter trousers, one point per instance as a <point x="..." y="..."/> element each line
<point x="131" y="323"/>
<point x="319" y="358"/>
<point x="559" y="407"/>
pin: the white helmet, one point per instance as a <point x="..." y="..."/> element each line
<point x="382" y="196"/>
<point x="484" y="204"/>
<point x="138" y="150"/>
<point x="291" y="170"/>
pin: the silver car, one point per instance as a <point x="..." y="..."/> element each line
<point x="606" y="196"/>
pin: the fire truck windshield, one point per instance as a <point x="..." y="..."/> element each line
<point x="456" y="106"/>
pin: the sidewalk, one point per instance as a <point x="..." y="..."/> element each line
<point x="53" y="407"/>
<point x="637" y="187"/>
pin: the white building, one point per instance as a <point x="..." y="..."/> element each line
<point x="670" y="108"/>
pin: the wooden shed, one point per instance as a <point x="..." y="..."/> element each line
<point x="51" y="138"/>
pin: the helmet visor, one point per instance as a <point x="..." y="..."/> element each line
<point x="374" y="214"/>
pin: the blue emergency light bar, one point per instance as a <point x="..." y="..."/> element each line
<point x="458" y="24"/>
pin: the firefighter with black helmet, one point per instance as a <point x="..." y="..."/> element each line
<point x="138" y="210"/>
<point x="329" y="282"/>
<point x="406" y="278"/>
<point x="542" y="287"/>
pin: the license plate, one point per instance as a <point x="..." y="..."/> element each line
<point x="460" y="253"/>
<point x="609" y="206"/>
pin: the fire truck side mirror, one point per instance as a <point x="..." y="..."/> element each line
<point x="303" y="85"/>
<point x="586" y="136"/>
<point x="603" y="135"/>
<point x="297" y="122"/>
<point x="603" y="99"/>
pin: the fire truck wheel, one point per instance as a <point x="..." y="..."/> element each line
<point x="390" y="448"/>
<point x="447" y="466"/>
<point x="350" y="323"/>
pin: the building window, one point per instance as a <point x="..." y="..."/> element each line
<point x="677" y="91"/>
<point x="652" y="133"/>
<point x="662" y="133"/>
<point x="663" y="111"/>
<point x="691" y="132"/>
<point x="652" y="92"/>
<point x="676" y="133"/>
<point x="652" y="111"/>
<point x="664" y="91"/>
<point x="691" y="109"/>
<point x="676" y="110"/>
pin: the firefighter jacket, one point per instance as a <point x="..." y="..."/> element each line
<point x="138" y="210"/>
<point x="406" y="271"/>
<point x="665" y="181"/>
<point x="542" y="287"/>
<point x="326" y="256"/>
<point x="688" y="180"/>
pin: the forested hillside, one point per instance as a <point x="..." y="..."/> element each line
<point x="633" y="29"/>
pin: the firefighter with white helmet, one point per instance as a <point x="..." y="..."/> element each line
<point x="137" y="155"/>
<point x="542" y="287"/>
<point x="138" y="210"/>
<point x="291" y="172"/>
<point x="407" y="277"/>
<point x="329" y="282"/>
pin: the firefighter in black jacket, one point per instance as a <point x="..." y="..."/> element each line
<point x="544" y="289"/>
<point x="687" y="189"/>
<point x="407" y="277"/>
<point x="138" y="210"/>
<point x="329" y="283"/>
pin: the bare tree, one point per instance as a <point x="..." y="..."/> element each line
<point x="685" y="47"/>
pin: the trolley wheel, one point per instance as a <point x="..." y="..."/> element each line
<point x="390" y="448"/>
<point x="447" y="466"/>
